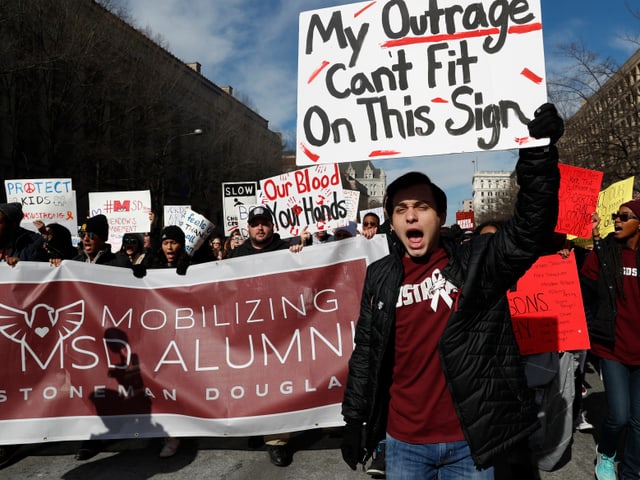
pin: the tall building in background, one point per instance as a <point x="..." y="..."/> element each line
<point x="374" y="179"/>
<point x="492" y="194"/>
<point x="604" y="134"/>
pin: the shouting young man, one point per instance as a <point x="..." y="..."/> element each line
<point x="436" y="369"/>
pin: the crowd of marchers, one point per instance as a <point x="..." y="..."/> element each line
<point x="437" y="387"/>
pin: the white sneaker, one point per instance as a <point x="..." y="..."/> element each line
<point x="582" y="424"/>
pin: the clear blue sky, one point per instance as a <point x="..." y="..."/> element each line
<point x="251" y="45"/>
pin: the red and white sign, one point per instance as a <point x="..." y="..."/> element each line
<point x="409" y="78"/>
<point x="90" y="351"/>
<point x="312" y="198"/>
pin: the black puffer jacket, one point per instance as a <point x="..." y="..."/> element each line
<point x="479" y="354"/>
<point x="600" y="295"/>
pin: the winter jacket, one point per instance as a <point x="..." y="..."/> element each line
<point x="478" y="350"/>
<point x="600" y="295"/>
<point x="27" y="246"/>
<point x="247" y="249"/>
<point x="104" y="256"/>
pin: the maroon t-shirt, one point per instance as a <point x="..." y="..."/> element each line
<point x="421" y="408"/>
<point x="627" y="347"/>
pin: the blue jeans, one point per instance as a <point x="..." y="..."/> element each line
<point x="622" y="390"/>
<point x="444" y="461"/>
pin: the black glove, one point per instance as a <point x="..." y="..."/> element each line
<point x="546" y="123"/>
<point x="139" y="271"/>
<point x="183" y="264"/>
<point x="352" y="451"/>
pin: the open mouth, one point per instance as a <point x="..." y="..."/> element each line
<point x="415" y="237"/>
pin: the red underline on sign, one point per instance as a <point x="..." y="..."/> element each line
<point x="380" y="153"/>
<point x="312" y="156"/>
<point x="515" y="29"/>
<point x="522" y="140"/>
<point x="531" y="76"/>
<point x="439" y="100"/>
<point x="317" y="72"/>
<point x="363" y="9"/>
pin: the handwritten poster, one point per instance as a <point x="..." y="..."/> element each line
<point x="578" y="197"/>
<point x="311" y="197"/>
<point x="173" y="214"/>
<point x="609" y="200"/>
<point x="197" y="229"/>
<point x="400" y="78"/>
<point x="546" y="307"/>
<point x="126" y="211"/>
<point x="50" y="200"/>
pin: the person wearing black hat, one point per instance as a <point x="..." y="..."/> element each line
<point x="262" y="238"/>
<point x="16" y="242"/>
<point x="172" y="254"/>
<point x="611" y="288"/>
<point x="94" y="234"/>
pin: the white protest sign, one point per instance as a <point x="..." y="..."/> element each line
<point x="196" y="229"/>
<point x="50" y="200"/>
<point x="236" y="195"/>
<point x="173" y="214"/>
<point x="126" y="211"/>
<point x="352" y="198"/>
<point x="311" y="197"/>
<point x="401" y="78"/>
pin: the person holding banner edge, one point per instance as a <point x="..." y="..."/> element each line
<point x="262" y="239"/>
<point x="436" y="369"/>
<point x="611" y="289"/>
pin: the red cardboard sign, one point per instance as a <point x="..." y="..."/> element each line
<point x="578" y="196"/>
<point x="546" y="307"/>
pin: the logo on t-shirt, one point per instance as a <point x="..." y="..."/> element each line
<point x="432" y="289"/>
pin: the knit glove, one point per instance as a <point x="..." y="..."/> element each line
<point x="352" y="451"/>
<point x="546" y="123"/>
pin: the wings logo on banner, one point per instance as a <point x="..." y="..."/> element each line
<point x="90" y="351"/>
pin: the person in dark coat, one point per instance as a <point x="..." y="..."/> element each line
<point x="94" y="235"/>
<point x="436" y="369"/>
<point x="262" y="239"/>
<point x="18" y="243"/>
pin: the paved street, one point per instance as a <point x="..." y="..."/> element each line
<point x="317" y="456"/>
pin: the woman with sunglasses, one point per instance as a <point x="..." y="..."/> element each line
<point x="611" y="290"/>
